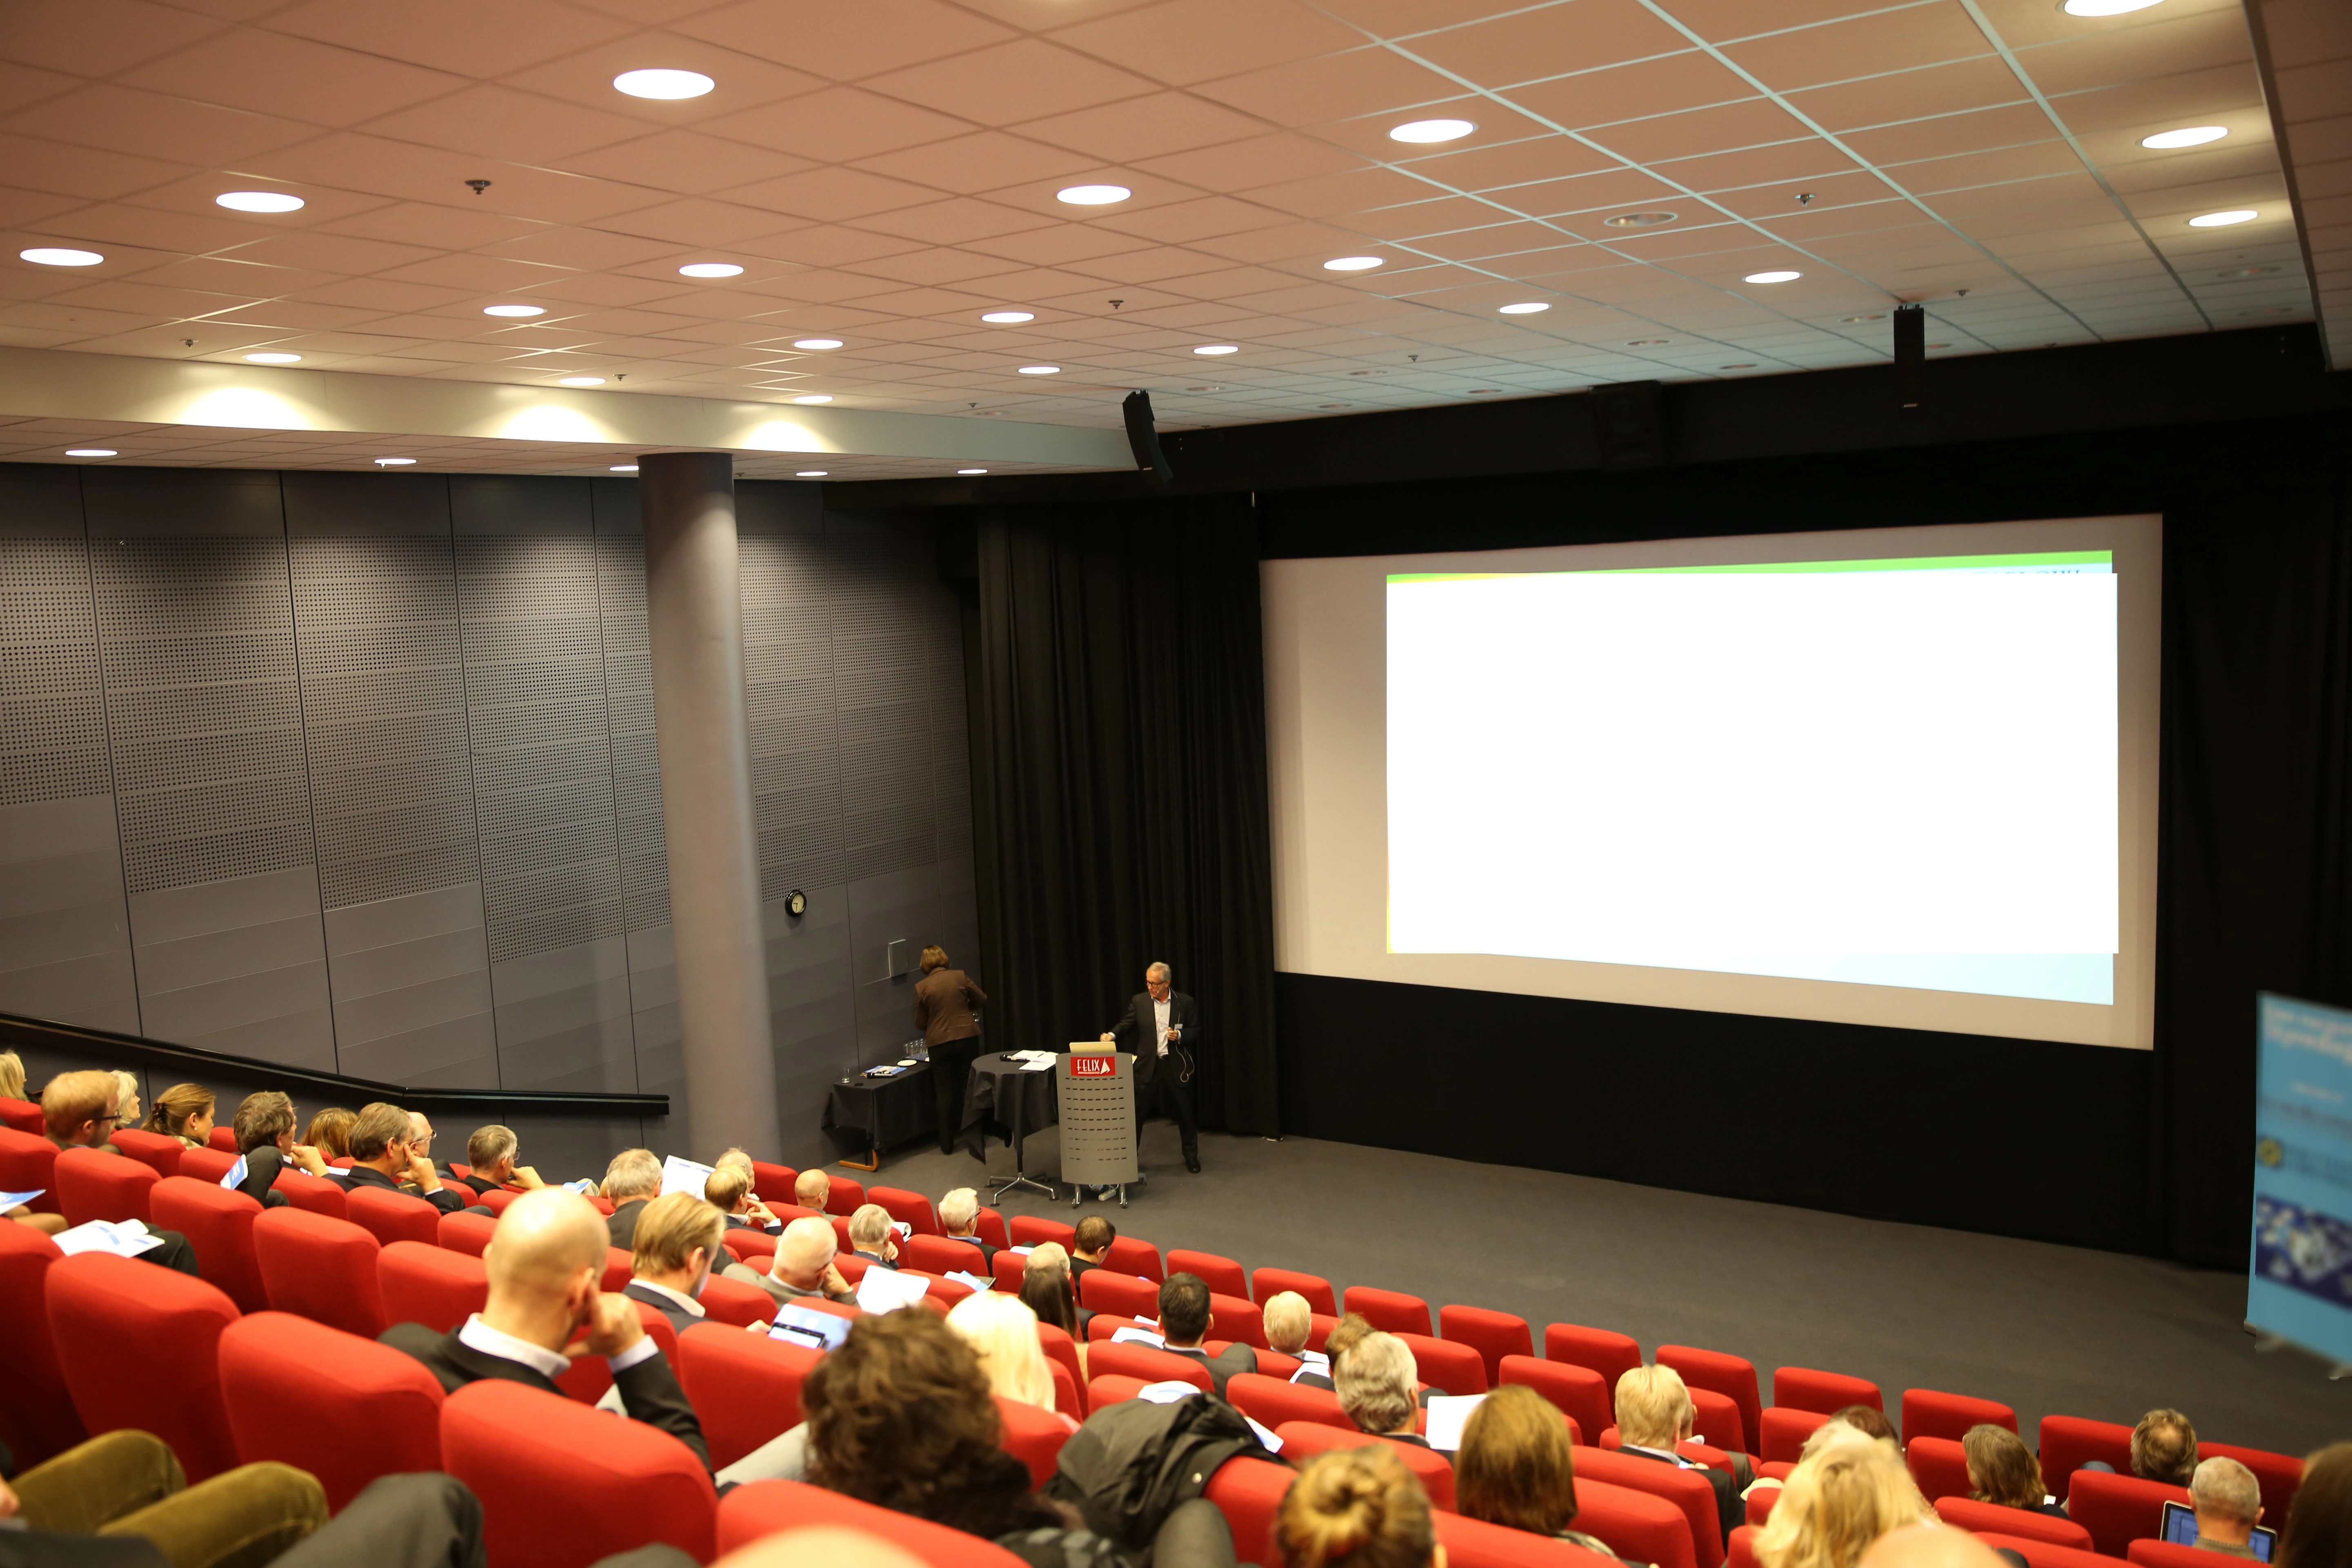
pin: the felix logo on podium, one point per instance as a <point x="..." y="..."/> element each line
<point x="1098" y="1065"/>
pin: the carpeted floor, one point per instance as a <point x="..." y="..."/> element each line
<point x="2048" y="1330"/>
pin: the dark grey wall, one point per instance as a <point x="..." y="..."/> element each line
<point x="358" y="773"/>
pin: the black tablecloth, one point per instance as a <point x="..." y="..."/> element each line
<point x="1024" y="1101"/>
<point x="880" y="1113"/>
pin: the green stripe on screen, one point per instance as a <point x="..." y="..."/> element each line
<point x="1914" y="563"/>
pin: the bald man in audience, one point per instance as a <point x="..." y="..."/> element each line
<point x="803" y="1264"/>
<point x="812" y="1190"/>
<point x="546" y="1263"/>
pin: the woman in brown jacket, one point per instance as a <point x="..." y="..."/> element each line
<point x="944" y="1000"/>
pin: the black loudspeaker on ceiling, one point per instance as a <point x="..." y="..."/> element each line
<point x="1143" y="440"/>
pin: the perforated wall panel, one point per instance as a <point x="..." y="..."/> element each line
<point x="629" y="709"/>
<point x="52" y="720"/>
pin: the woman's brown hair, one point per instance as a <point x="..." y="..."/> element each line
<point x="2002" y="1468"/>
<point x="1047" y="1293"/>
<point x="2319" y="1529"/>
<point x="1355" y="1508"/>
<point x="173" y="1108"/>
<point x="1517" y="1467"/>
<point x="330" y="1132"/>
<point x="934" y="957"/>
<point x="900" y="1411"/>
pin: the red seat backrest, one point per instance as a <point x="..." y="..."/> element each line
<point x="1030" y="1230"/>
<point x="1101" y="1290"/>
<point x="773" y="1184"/>
<point x="1731" y="1375"/>
<point x="2040" y="1553"/>
<point x="562" y="1486"/>
<point x="990" y="1227"/>
<point x="1639" y="1526"/>
<point x="1977" y="1517"/>
<point x="1108" y="1357"/>
<point x="1265" y="1284"/>
<point x="29" y="1162"/>
<point x="761" y="1509"/>
<point x="1828" y="1392"/>
<point x="1759" y="1503"/>
<point x="1270" y="1402"/>
<point x="1786" y="1428"/>
<point x="1236" y="1320"/>
<point x="1069" y="1394"/>
<point x="1131" y="1255"/>
<point x="1492" y="1335"/>
<point x="394" y="1217"/>
<point x="745" y="1387"/>
<point x="431" y="1285"/>
<point x="1606" y="1351"/>
<point x="1939" y="1467"/>
<point x="1448" y="1365"/>
<point x="96" y="1186"/>
<point x="223" y="1138"/>
<point x="589" y="1376"/>
<point x="137" y="1345"/>
<point x="1696" y="1452"/>
<point x="2115" y="1509"/>
<point x="1062" y="1351"/>
<point x="320" y="1195"/>
<point x="1475" y="1544"/>
<point x="467" y="1233"/>
<point x="1715" y="1417"/>
<point x="753" y="1246"/>
<point x="1113" y="1388"/>
<point x="497" y="1199"/>
<point x="1103" y="1325"/>
<point x="1223" y="1276"/>
<point x="938" y="1254"/>
<point x="2167" y="1554"/>
<point x="2278" y="1475"/>
<point x="619" y="1269"/>
<point x="1390" y="1309"/>
<point x="1739" y="1551"/>
<point x="1576" y="1390"/>
<point x="734" y="1301"/>
<point x="1302" y="1440"/>
<point x="207" y="1163"/>
<point x="1929" y="1413"/>
<point x="844" y="1195"/>
<point x="219" y="1225"/>
<point x="2070" y="1442"/>
<point x="160" y="1153"/>
<point x="21" y="1116"/>
<point x="909" y="1207"/>
<point x="344" y="1408"/>
<point x="1687" y="1491"/>
<point x="1008" y="1268"/>
<point x="1031" y="1435"/>
<point x="322" y="1269"/>
<point x="1249" y="1493"/>
<point x="37" y="1419"/>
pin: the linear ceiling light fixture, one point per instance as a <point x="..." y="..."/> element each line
<point x="663" y="83"/>
<point x="1427" y="131"/>
<point x="1092" y="196"/>
<point x="258" y="202"/>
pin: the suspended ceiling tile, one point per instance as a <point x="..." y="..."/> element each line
<point x="846" y="43"/>
<point x="1641" y="89"/>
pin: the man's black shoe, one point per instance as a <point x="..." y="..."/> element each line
<point x="1193" y="1160"/>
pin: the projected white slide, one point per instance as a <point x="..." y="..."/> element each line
<point x="1897" y="772"/>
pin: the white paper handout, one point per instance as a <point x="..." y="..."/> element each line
<point x="970" y="1281"/>
<point x="125" y="1238"/>
<point x="1140" y="1337"/>
<point x="1265" y="1436"/>
<point x="15" y="1200"/>
<point x="887" y="1290"/>
<point x="1447" y="1415"/>
<point x="1166" y="1392"/>
<point x="684" y="1176"/>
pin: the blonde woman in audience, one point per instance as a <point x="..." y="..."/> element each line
<point x="1838" y="1500"/>
<point x="1517" y="1467"/>
<point x="330" y="1132"/>
<point x="1005" y="1332"/>
<point x="1357" y="1508"/>
<point x="12" y="1076"/>
<point x="126" y="1112"/>
<point x="183" y="1112"/>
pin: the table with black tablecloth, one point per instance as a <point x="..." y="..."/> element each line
<point x="1002" y="1090"/>
<point x="871" y="1114"/>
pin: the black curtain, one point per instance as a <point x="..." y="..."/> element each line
<point x="1120" y="725"/>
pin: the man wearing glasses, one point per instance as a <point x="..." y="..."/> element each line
<point x="1162" y="1028"/>
<point x="78" y="1111"/>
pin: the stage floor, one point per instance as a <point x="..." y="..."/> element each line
<point x="2047" y="1329"/>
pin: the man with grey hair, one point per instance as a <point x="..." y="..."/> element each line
<point x="631" y="1181"/>
<point x="2228" y="1504"/>
<point x="1376" y="1379"/>
<point x="1162" y="1029"/>
<point x="960" y="1218"/>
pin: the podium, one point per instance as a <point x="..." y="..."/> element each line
<point x="1096" y="1088"/>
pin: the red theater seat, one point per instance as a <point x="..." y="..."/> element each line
<point x="1392" y="1311"/>
<point x="1130" y="1255"/>
<point x="1063" y="1352"/>
<point x="224" y="1139"/>
<point x="562" y="1486"/>
<point x="2070" y="1442"/>
<point x="1034" y="1230"/>
<point x="2039" y="1553"/>
<point x="1759" y="1503"/>
<point x="20" y="1116"/>
<point x="1445" y="1365"/>
<point x="841" y="1234"/>
<point x="467" y="1232"/>
<point x="320" y="1195"/>
<point x="732" y="1301"/>
<point x="1103" y="1325"/>
<point x="497" y="1199"/>
<point x="219" y="1225"/>
<point x="1977" y="1517"/>
<point x="2115" y="1509"/>
<point x="322" y="1269"/>
<point x="1639" y="1526"/>
<point x="1069" y="1394"/>
<point x="1236" y="1320"/>
<point x="1112" y="1389"/>
<point x="1739" y="1551"/>
<point x="394" y="1217"/>
<point x="1101" y="1291"/>
<point x="2165" y="1554"/>
<point x="1939" y="1467"/>
<point x="1223" y="1276"/>
<point x="1785" y="1431"/>
<point x="1265" y="1284"/>
<point x="1249" y="1493"/>
<point x="138" y="1346"/>
<point x="761" y="1509"/>
<point x="1828" y="1392"/>
<point x="940" y="1254"/>
<point x="1929" y="1414"/>
<point x="1696" y="1452"/>
<point x="1577" y="1390"/>
<point x="92" y="1186"/>
<point x="207" y="1164"/>
<point x="2278" y="1475"/>
<point x="990" y="1226"/>
<point x="1302" y="1440"/>
<point x="1270" y="1402"/>
<point x="773" y="1184"/>
<point x="1105" y="1358"/>
<point x="344" y="1408"/>
<point x="908" y="1208"/>
<point x="753" y="1246"/>
<point x="1009" y="1268"/>
<point x="1492" y="1335"/>
<point x="1610" y="1355"/>
<point x="620" y="1267"/>
<point x="1731" y="1375"/>
<point x="844" y="1195"/>
<point x="588" y="1377"/>
<point x="1031" y="1435"/>
<point x="1475" y="1544"/>
<point x="156" y="1151"/>
<point x="745" y="1387"/>
<point x="38" y="1419"/>
<point x="431" y="1285"/>
<point x="1687" y="1491"/>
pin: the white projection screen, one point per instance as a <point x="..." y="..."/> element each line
<point x="1892" y="776"/>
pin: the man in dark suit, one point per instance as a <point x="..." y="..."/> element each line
<point x="631" y="1181"/>
<point x="545" y="1261"/>
<point x="1184" y="1321"/>
<point x="1654" y="1414"/>
<point x="382" y="1156"/>
<point x="1376" y="1377"/>
<point x="677" y="1245"/>
<point x="1162" y="1029"/>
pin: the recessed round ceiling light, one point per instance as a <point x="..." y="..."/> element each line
<point x="89" y="452"/>
<point x="1779" y="275"/>
<point x="582" y="381"/>
<point x="972" y="470"/>
<point x="1433" y="131"/>
<point x="273" y="359"/>
<point x="258" y="202"/>
<point x="812" y="473"/>
<point x="1092" y="196"/>
<point x="817" y="343"/>
<point x="1218" y="349"/>
<point x="1352" y="263"/>
<point x="395" y="462"/>
<point x="1849" y="320"/>
<point x="1041" y="369"/>
<point x="623" y="468"/>
<point x="710" y="269"/>
<point x="514" y="309"/>
<point x="58" y="256"/>
<point x="1649" y="343"/>
<point x="1637" y="220"/>
<point x="2105" y="8"/>
<point x="813" y="397"/>
<point x="663" y="83"/>
<point x="2223" y="220"/>
<point x="2186" y="136"/>
<point x="1527" y="308"/>
<point x="1008" y="317"/>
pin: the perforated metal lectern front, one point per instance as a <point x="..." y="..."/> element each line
<point x="1097" y="1094"/>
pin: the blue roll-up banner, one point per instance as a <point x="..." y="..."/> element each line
<point x="2299" y="1282"/>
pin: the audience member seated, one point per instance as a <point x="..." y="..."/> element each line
<point x="728" y="1189"/>
<point x="2164" y="1448"/>
<point x="128" y="1104"/>
<point x="78" y="1111"/>
<point x="1355" y="1508"/>
<point x="2228" y="1504"/>
<point x="264" y="1126"/>
<point x="546" y="1260"/>
<point x="677" y="1243"/>
<point x="871" y="1238"/>
<point x="1836" y="1502"/>
<point x="126" y="1489"/>
<point x="2003" y="1472"/>
<point x="633" y="1179"/>
<point x="330" y="1132"/>
<point x="812" y="1190"/>
<point x="1289" y="1323"/>
<point x="1046" y="1292"/>
<point x="1345" y="1336"/>
<point x="1003" y="1333"/>
<point x="1184" y="1322"/>
<point x="382" y="1157"/>
<point x="1518" y="1467"/>
<point x="960" y="1218"/>
<point x="183" y="1112"/>
<point x="12" y="1076"/>
<point x="1653" y="1413"/>
<point x="1090" y="1246"/>
<point x="1377" y="1379"/>
<point x="490" y="1162"/>
<point x="1869" y="1420"/>
<point x="2319" y="1529"/>
<point x="420" y="1144"/>
<point x="802" y="1265"/>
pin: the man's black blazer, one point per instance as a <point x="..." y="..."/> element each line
<point x="1138" y="1030"/>
<point x="1234" y="1358"/>
<point x="681" y="1320"/>
<point x="649" y="1389"/>
<point x="445" y="1200"/>
<point x="1730" y="1511"/>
